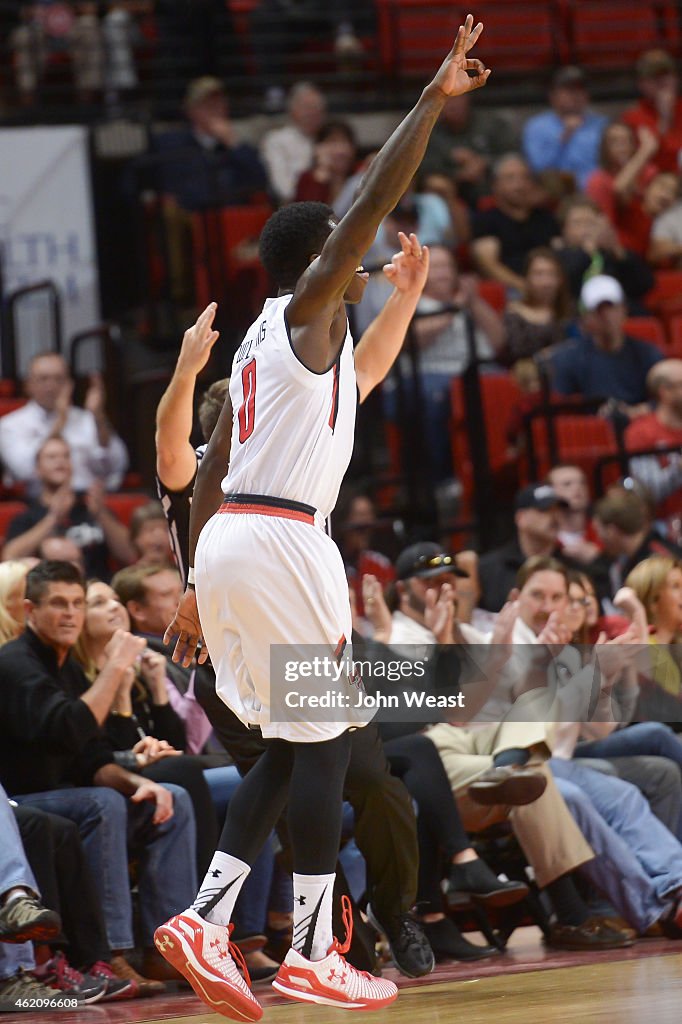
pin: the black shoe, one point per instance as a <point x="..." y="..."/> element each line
<point x="510" y="786"/>
<point x="409" y="946"/>
<point x="448" y="943"/>
<point x="476" y="880"/>
<point x="25" y="918"/>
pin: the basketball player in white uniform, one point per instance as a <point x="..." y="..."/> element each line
<point x="266" y="572"/>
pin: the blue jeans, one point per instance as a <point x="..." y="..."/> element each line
<point x="251" y="912"/>
<point x="644" y="738"/>
<point x="14" y="870"/>
<point x="639" y="862"/>
<point x="108" y="824"/>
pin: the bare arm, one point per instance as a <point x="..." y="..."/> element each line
<point x="27" y="544"/>
<point x="137" y="788"/>
<point x="321" y="288"/>
<point x="205" y="500"/>
<point x="116" y="537"/>
<point x="122" y="650"/>
<point x="379" y="346"/>
<point x="176" y="461"/>
<point x="488" y="321"/>
<point x="486" y="253"/>
<point x="626" y="180"/>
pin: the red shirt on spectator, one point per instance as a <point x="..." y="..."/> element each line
<point x="644" y="114"/>
<point x="648" y="432"/>
<point x="629" y="219"/>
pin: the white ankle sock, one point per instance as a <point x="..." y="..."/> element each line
<point x="220" y="888"/>
<point x="15" y="894"/>
<point x="313" y="896"/>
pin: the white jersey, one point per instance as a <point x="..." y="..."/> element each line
<point x="293" y="429"/>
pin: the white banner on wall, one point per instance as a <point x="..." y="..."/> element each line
<point x="47" y="227"/>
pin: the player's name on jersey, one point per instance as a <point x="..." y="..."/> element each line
<point x="250" y="344"/>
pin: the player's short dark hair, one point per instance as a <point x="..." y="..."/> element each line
<point x="291" y="236"/>
<point x="211" y="406"/>
<point x="41" y="575"/>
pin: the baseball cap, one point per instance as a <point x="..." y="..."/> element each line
<point x="200" y="88"/>
<point x="653" y="63"/>
<point x="601" y="288"/>
<point x="569" y="76"/>
<point x="539" y="496"/>
<point x="425" y="560"/>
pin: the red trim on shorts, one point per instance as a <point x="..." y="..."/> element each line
<point x="237" y="508"/>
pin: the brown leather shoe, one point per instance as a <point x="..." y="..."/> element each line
<point x="147" y="986"/>
<point x="594" y="934"/>
<point x="508" y="786"/>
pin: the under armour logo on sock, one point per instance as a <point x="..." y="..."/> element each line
<point x="333" y="976"/>
<point x="300" y="900"/>
<point x="216" y="873"/>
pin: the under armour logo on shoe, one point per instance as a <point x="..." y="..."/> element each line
<point x="165" y="944"/>
<point x="333" y="976"/>
<point x="216" y="873"/>
<point x="300" y="900"/>
<point x="222" y="951"/>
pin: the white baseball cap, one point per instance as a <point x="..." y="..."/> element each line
<point x="601" y="288"/>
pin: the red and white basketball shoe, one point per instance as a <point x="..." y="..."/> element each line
<point x="333" y="981"/>
<point x="203" y="953"/>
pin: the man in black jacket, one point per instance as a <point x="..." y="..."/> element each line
<point x="54" y="755"/>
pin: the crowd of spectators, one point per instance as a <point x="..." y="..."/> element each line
<point x="126" y="761"/>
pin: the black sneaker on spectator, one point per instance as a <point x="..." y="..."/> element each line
<point x="21" y="993"/>
<point x="117" y="988"/>
<point x="448" y="943"/>
<point x="482" y="885"/>
<point x="409" y="946"/>
<point x="25" y="919"/>
<point x="58" y="974"/>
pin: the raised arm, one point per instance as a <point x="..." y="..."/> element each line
<point x="176" y="461"/>
<point x="205" y="501"/>
<point x="323" y="285"/>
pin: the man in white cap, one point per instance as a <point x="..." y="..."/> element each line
<point x="604" y="362"/>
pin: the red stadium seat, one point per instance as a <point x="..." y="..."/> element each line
<point x="613" y="33"/>
<point x="8" y="404"/>
<point x="415" y="35"/>
<point x="494" y="294"/>
<point x="675" y="329"/>
<point x="500" y="395"/>
<point x="225" y="251"/>
<point x="580" y="440"/>
<point x="647" y="328"/>
<point x="123" y="505"/>
<point x="8" y="511"/>
<point x="665" y="298"/>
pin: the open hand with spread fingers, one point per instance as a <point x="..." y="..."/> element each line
<point x="408" y="269"/>
<point x="453" y="76"/>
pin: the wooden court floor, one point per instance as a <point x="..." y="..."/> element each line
<point x="529" y="985"/>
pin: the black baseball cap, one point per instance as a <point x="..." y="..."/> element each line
<point x="540" y="496"/>
<point x="425" y="560"/>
